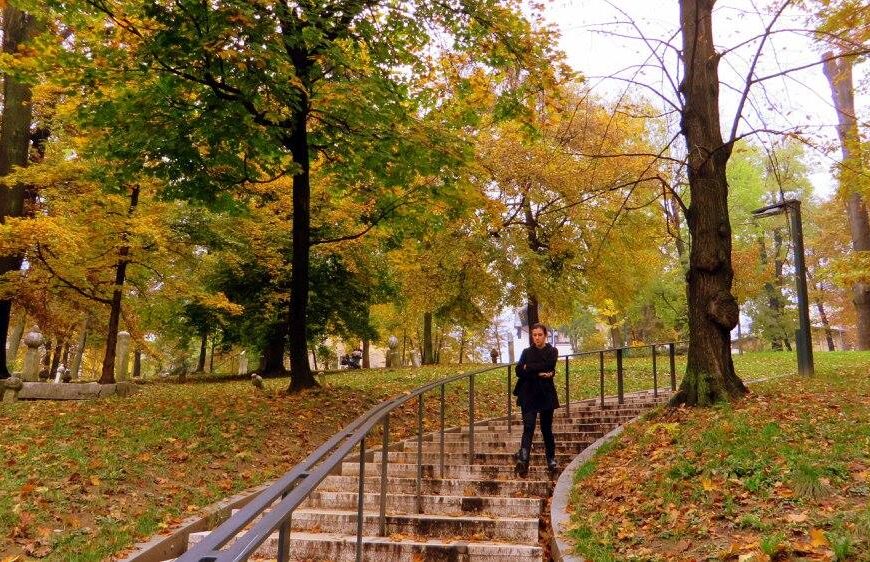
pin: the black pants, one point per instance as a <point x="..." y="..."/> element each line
<point x="546" y="430"/>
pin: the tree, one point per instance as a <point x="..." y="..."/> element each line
<point x="294" y="87"/>
<point x="713" y="310"/>
<point x="853" y="172"/>
<point x="19" y="27"/>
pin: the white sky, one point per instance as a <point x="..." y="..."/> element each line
<point x="801" y="99"/>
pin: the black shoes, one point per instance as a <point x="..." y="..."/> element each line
<point x="552" y="467"/>
<point x="522" y="468"/>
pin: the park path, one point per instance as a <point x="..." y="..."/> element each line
<point x="478" y="511"/>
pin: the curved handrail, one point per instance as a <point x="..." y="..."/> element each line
<point x="207" y="549"/>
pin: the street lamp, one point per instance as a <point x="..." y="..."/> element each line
<point x="804" y="337"/>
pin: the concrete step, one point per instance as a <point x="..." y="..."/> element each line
<point x="517" y="487"/>
<point x="456" y="458"/>
<point x="510" y="444"/>
<point x="503" y="435"/>
<point x="513" y="529"/>
<point x="342" y="548"/>
<point x="431" y="504"/>
<point x="463" y="471"/>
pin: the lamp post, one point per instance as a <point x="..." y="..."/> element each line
<point x="804" y="338"/>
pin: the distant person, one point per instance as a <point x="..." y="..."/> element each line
<point x="536" y="396"/>
<point x="493" y="354"/>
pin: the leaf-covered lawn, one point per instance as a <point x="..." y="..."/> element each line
<point x="84" y="480"/>
<point x="781" y="474"/>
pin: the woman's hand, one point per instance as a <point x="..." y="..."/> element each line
<point x="547" y="375"/>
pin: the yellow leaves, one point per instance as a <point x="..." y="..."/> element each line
<point x="818" y="538"/>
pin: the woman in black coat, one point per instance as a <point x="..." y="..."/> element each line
<point x="536" y="396"/>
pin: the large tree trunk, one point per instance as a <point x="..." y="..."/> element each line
<point x="300" y="371"/>
<point x="272" y="356"/>
<point x="137" y="364"/>
<point x="532" y="314"/>
<point x="55" y="358"/>
<point x="839" y="75"/>
<point x="428" y="353"/>
<point x="18" y="27"/>
<point x="203" y="350"/>
<point x="107" y="375"/>
<point x="713" y="312"/>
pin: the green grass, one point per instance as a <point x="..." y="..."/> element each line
<point x="785" y="469"/>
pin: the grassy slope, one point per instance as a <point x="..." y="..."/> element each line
<point x="784" y="473"/>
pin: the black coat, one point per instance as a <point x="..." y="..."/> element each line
<point x="532" y="391"/>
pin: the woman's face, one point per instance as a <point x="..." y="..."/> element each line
<point x="539" y="338"/>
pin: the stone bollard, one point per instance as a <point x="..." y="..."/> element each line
<point x="32" y="340"/>
<point x="243" y="363"/>
<point x="393" y="358"/>
<point x="11" y="387"/>
<point x="122" y="356"/>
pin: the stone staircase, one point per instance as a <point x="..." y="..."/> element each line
<point x="478" y="511"/>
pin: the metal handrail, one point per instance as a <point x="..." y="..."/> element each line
<point x="294" y="487"/>
<point x="354" y="433"/>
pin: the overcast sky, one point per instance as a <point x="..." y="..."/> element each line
<point x="800" y="99"/>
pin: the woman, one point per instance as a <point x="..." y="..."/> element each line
<point x="536" y="396"/>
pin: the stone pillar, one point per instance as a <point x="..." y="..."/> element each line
<point x="58" y="374"/>
<point x="393" y="358"/>
<point x="243" y="363"/>
<point x="122" y="357"/>
<point x="10" y="388"/>
<point x="76" y="364"/>
<point x="32" y="340"/>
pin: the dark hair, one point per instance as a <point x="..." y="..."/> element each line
<point x="538" y="326"/>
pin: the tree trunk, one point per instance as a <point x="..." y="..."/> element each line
<point x="532" y="314"/>
<point x="300" y="371"/>
<point x="461" y="345"/>
<point x="272" y="357"/>
<point x="15" y="338"/>
<point x="366" y="360"/>
<point x="710" y="375"/>
<point x="203" y="350"/>
<point x="55" y="359"/>
<point x="314" y="358"/>
<point x="107" y="375"/>
<point x="211" y="357"/>
<point x="137" y="364"/>
<point x="45" y="367"/>
<point x="428" y="355"/>
<point x="80" y="351"/>
<point x="18" y="27"/>
<point x="839" y="75"/>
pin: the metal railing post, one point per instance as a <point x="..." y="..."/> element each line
<point x="360" y="499"/>
<point x="601" y="375"/>
<point x="420" y="453"/>
<point x="471" y="419"/>
<point x="510" y="401"/>
<point x="655" y="374"/>
<point x="672" y="353"/>
<point x="441" y="442"/>
<point x="283" y="538"/>
<point x="619" y="382"/>
<point x="567" y="387"/>
<point x="382" y="522"/>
